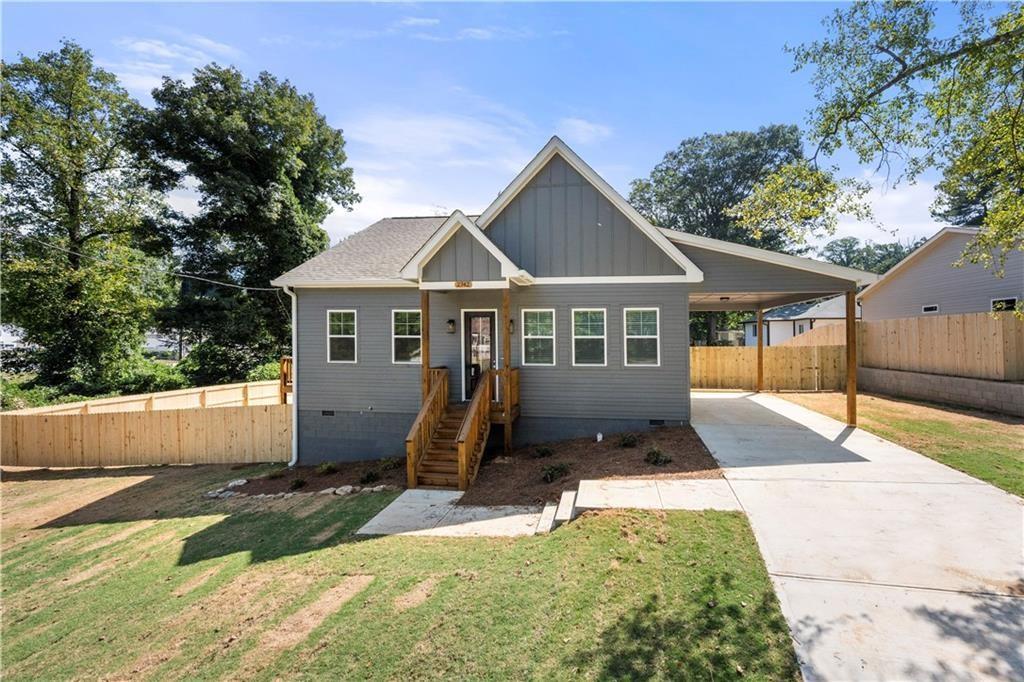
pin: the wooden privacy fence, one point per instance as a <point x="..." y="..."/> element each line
<point x="973" y="345"/>
<point x="234" y="423"/>
<point x="810" y="368"/>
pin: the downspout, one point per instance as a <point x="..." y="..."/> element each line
<point x="295" y="378"/>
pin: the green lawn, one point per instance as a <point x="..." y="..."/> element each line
<point x="987" y="446"/>
<point x="131" y="574"/>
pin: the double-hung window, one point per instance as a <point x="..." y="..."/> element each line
<point x="588" y="337"/>
<point x="341" y="336"/>
<point x="406" y="336"/>
<point x="538" y="337"/>
<point x="642" y="345"/>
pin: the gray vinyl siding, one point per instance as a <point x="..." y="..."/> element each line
<point x="727" y="273"/>
<point x="462" y="258"/>
<point x="932" y="279"/>
<point x="559" y="225"/>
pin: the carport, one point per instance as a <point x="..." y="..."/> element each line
<point x="738" y="277"/>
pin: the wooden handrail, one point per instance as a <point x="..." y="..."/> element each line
<point x="475" y="427"/>
<point x="426" y="422"/>
<point x="287" y="377"/>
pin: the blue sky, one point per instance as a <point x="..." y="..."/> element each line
<point x="442" y="104"/>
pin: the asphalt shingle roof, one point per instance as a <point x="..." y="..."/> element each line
<point x="834" y="307"/>
<point x="375" y="253"/>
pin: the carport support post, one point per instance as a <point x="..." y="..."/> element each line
<point x="851" y="358"/>
<point x="506" y="362"/>
<point x="760" y="350"/>
<point x="425" y="342"/>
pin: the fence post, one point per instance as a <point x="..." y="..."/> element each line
<point x="202" y="398"/>
<point x="245" y="395"/>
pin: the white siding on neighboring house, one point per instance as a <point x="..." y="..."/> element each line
<point x="783" y="329"/>
<point x="931" y="280"/>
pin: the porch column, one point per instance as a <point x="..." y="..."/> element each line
<point x="425" y="342"/>
<point x="760" y="350"/>
<point x="851" y="358"/>
<point x="506" y="362"/>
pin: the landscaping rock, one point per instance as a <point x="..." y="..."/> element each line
<point x="237" y="482"/>
<point x="226" y="494"/>
<point x="326" y="491"/>
<point x="343" y="490"/>
<point x="212" y="494"/>
<point x="378" y="489"/>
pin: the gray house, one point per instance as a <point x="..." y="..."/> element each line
<point x="787" y="321"/>
<point x="557" y="312"/>
<point x="927" y="283"/>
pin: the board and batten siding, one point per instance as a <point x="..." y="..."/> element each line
<point x="462" y="257"/>
<point x="559" y="225"/>
<point x="931" y="279"/>
<point x="729" y="273"/>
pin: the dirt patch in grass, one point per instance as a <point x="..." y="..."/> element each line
<point x="194" y="583"/>
<point x="366" y="473"/>
<point x="417" y="595"/>
<point x="519" y="478"/>
<point x="296" y="628"/>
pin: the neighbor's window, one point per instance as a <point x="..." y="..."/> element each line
<point x="588" y="337"/>
<point x="538" y="337"/>
<point x="406" y="336"/>
<point x="642" y="344"/>
<point x="932" y="308"/>
<point x="341" y="336"/>
<point x="1001" y="304"/>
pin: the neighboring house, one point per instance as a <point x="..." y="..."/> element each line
<point x="927" y="283"/>
<point x="578" y="303"/>
<point x="788" y="321"/>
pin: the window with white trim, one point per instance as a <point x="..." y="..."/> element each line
<point x="588" y="337"/>
<point x="406" y="337"/>
<point x="341" y="336"/>
<point x="930" y="308"/>
<point x="538" y="336"/>
<point x="642" y="345"/>
<point x="1003" y="304"/>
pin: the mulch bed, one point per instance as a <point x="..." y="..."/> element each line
<point x="517" y="479"/>
<point x="389" y="471"/>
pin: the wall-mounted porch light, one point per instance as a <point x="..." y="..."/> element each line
<point x="451" y="326"/>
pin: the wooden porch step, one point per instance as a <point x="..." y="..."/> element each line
<point x="439" y="480"/>
<point x="436" y="466"/>
<point x="442" y="455"/>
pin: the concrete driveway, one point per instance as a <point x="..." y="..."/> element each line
<point x="888" y="565"/>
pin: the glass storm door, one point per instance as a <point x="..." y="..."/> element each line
<point x="478" y="346"/>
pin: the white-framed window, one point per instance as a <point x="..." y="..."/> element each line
<point x="538" y="336"/>
<point x="641" y="332"/>
<point x="1003" y="304"/>
<point x="406" y="337"/>
<point x="589" y="336"/>
<point x="341" y="336"/>
<point x="930" y="308"/>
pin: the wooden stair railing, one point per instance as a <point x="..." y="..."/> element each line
<point x="476" y="426"/>
<point x="287" y="377"/>
<point x="422" y="431"/>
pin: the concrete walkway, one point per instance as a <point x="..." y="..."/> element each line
<point x="670" y="494"/>
<point x="434" y="512"/>
<point x="888" y="565"/>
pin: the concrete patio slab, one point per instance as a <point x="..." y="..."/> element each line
<point x="888" y="565"/>
<point x="697" y="495"/>
<point x="434" y="512"/>
<point x="682" y="494"/>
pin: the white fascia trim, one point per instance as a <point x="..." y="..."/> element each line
<point x="413" y="270"/>
<point x="623" y="279"/>
<point x="914" y="255"/>
<point x="556" y="146"/>
<point x="766" y="256"/>
<point x="295" y="378"/>
<point x="351" y="284"/>
<point x="445" y="286"/>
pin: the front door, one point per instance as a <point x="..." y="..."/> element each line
<point x="478" y="347"/>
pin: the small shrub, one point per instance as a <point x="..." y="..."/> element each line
<point x="371" y="476"/>
<point x="656" y="457"/>
<point x="276" y="473"/>
<point x="390" y="464"/>
<point x="296" y="484"/>
<point x="268" y="371"/>
<point x="554" y="472"/>
<point x="629" y="440"/>
<point x="543" y="451"/>
<point x="326" y="469"/>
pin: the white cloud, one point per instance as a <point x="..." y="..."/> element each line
<point x="143" y="62"/>
<point x="475" y="34"/>
<point x="419" y="21"/>
<point x="581" y="131"/>
<point x="902" y="213"/>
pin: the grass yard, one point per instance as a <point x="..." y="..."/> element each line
<point x="130" y="573"/>
<point x="984" y="445"/>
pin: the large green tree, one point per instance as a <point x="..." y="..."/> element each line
<point x="268" y="169"/>
<point x="80" y="277"/>
<point x="905" y="97"/>
<point x="869" y="256"/>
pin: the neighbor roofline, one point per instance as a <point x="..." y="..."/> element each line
<point x="556" y="146"/>
<point x="915" y="254"/>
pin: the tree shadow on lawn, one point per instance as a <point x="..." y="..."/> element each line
<point x="709" y="637"/>
<point x="266" y="529"/>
